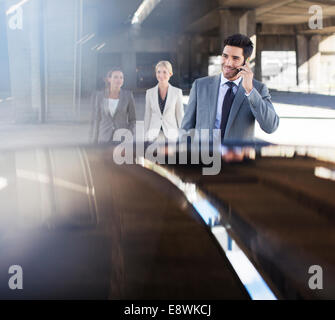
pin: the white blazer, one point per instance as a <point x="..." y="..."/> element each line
<point x="171" y="118"/>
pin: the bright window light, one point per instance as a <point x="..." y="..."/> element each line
<point x="3" y="183"/>
<point x="15" y="7"/>
<point x="144" y="10"/>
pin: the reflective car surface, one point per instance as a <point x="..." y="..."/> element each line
<point x="82" y="227"/>
<point x="77" y="225"/>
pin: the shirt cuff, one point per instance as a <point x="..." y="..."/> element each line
<point x="248" y="94"/>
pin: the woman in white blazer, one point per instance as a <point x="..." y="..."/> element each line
<point x="164" y="110"/>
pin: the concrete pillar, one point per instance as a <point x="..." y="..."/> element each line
<point x="4" y="63"/>
<point x="205" y="56"/>
<point x="89" y="62"/>
<point x="229" y="23"/>
<point x="129" y="69"/>
<point x="174" y="61"/>
<point x="244" y="22"/>
<point x="327" y="46"/>
<point x="198" y="56"/>
<point x="237" y="21"/>
<point x="247" y="23"/>
<point x="78" y="34"/>
<point x="314" y="62"/>
<point x="308" y="61"/>
<point x="258" y="54"/>
<point x="184" y="56"/>
<point x="24" y="60"/>
<point x="89" y="70"/>
<point x="61" y="40"/>
<point x="302" y="60"/>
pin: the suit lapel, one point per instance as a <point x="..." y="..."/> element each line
<point x="168" y="98"/>
<point x="239" y="97"/>
<point x="155" y="97"/>
<point x="214" y="93"/>
<point x="120" y="103"/>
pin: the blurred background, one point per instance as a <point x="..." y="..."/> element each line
<point x="55" y="53"/>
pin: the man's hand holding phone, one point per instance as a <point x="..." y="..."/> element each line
<point x="247" y="76"/>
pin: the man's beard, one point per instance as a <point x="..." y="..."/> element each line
<point x="232" y="73"/>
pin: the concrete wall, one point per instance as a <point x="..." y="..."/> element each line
<point x="23" y="52"/>
<point x="43" y="60"/>
<point x="61" y="23"/>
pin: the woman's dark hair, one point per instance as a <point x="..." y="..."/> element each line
<point x="241" y="41"/>
<point x="108" y="75"/>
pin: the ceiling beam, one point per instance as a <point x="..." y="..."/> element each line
<point x="207" y="22"/>
<point x="195" y="14"/>
<point x="271" y="5"/>
<point x="324" y="2"/>
<point x="327" y="23"/>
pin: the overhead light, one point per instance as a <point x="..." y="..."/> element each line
<point x="144" y="10"/>
<point x="86" y="38"/>
<point x="15" y="7"/>
<point x="101" y="46"/>
<point x="97" y="47"/>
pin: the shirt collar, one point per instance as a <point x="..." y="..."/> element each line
<point x="224" y="80"/>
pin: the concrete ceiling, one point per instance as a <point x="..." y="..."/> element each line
<point x="176" y="15"/>
<point x="201" y="16"/>
<point x="291" y="11"/>
<point x="113" y="14"/>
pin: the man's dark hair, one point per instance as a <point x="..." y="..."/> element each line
<point x="241" y="41"/>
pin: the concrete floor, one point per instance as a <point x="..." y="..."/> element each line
<point x="306" y="119"/>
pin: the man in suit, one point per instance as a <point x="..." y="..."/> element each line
<point x="232" y="100"/>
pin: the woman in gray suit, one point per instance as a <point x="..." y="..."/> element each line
<point x="113" y="108"/>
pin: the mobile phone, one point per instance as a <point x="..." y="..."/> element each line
<point x="247" y="60"/>
<point x="239" y="70"/>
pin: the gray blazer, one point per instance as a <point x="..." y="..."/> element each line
<point x="201" y="110"/>
<point x="103" y="125"/>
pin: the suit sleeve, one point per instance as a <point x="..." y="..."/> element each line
<point x="191" y="109"/>
<point x="179" y="108"/>
<point x="147" y="115"/>
<point x="132" y="113"/>
<point x="263" y="110"/>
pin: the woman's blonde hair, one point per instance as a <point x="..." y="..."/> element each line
<point x="165" y="64"/>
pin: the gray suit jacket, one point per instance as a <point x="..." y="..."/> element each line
<point x="201" y="110"/>
<point x="103" y="125"/>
